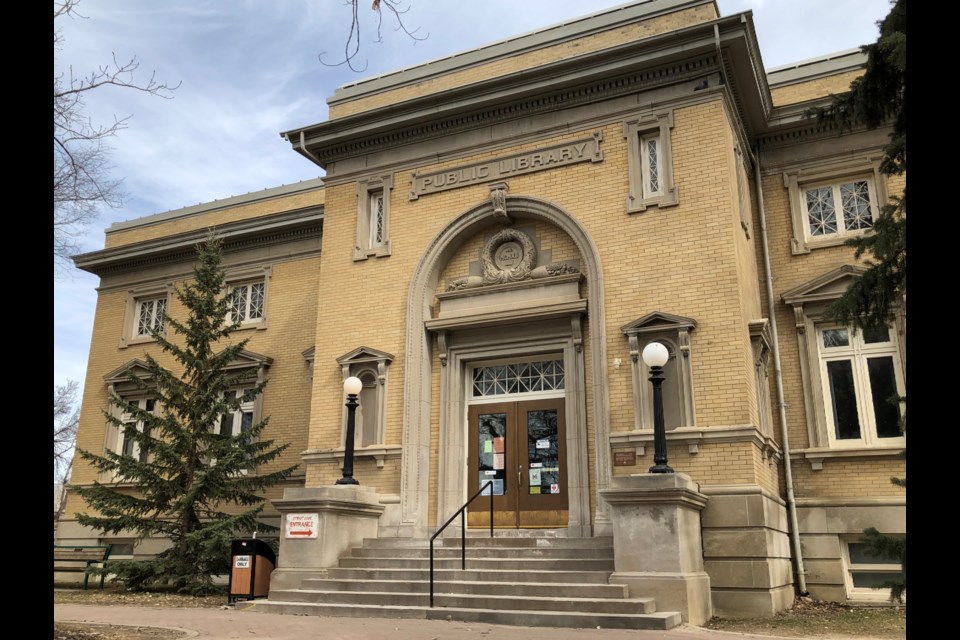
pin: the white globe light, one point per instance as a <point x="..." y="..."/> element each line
<point x="655" y="355"/>
<point x="352" y="386"/>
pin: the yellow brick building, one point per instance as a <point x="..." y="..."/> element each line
<point x="503" y="232"/>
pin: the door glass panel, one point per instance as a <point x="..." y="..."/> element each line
<point x="492" y="441"/>
<point x="843" y="397"/>
<point x="543" y="452"/>
<point x="883" y="387"/>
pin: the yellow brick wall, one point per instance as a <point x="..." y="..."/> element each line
<point x="721" y="463"/>
<point x="791" y="271"/>
<point x="254" y="209"/>
<point x="841" y="478"/>
<point x="812" y="89"/>
<point x="530" y="60"/>
<point x="291" y="315"/>
<point x="364" y="303"/>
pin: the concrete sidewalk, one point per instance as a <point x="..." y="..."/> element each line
<point x="231" y="624"/>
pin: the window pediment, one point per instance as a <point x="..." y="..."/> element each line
<point x="248" y="360"/>
<point x="658" y="321"/>
<point x="362" y="355"/>
<point x="137" y="367"/>
<point x="829" y="286"/>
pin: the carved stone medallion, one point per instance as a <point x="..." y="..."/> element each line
<point x="508" y="257"/>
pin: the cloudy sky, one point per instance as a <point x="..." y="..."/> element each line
<point x="251" y="68"/>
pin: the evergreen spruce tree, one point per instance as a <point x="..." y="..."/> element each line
<point x="193" y="485"/>
<point x="877" y="98"/>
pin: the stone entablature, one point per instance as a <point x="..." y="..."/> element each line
<point x="582" y="150"/>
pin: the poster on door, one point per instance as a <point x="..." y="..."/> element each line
<point x="534" y="477"/>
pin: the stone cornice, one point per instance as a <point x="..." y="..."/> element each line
<point x="340" y="140"/>
<point x="380" y="453"/>
<point x="256" y="232"/>
<point x="666" y="495"/>
<point x="498" y="318"/>
<point x="662" y="59"/>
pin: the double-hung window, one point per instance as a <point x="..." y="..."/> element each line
<point x="832" y="202"/>
<point x="128" y="446"/>
<point x="239" y="421"/>
<point x="151" y="314"/>
<point x="862" y="383"/>
<point x="839" y="209"/>
<point x="247" y="302"/>
<point x="145" y="313"/>
<point x="866" y="574"/>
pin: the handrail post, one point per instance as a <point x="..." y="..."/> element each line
<point x="491" y="510"/>
<point x="462" y="512"/>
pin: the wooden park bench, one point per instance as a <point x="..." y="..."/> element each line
<point x="74" y="559"/>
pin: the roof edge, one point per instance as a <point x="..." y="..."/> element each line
<point x="207" y="207"/>
<point x="829" y="64"/>
<point x="538" y="38"/>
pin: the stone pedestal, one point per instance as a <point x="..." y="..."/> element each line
<point x="656" y="542"/>
<point x="346" y="514"/>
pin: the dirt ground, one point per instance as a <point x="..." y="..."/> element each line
<point x="814" y="619"/>
<point x="807" y="619"/>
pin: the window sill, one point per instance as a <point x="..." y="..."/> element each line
<point x="382" y="251"/>
<point x="130" y="342"/>
<point x="810" y="244"/>
<point x="258" y="326"/>
<point x="668" y="199"/>
<point x="816" y="456"/>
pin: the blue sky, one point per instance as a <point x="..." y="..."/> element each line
<point x="249" y="69"/>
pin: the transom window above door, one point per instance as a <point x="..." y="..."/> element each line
<point x="521" y="377"/>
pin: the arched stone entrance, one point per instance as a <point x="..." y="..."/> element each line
<point x="557" y="334"/>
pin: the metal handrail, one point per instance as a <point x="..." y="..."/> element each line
<point x="463" y="532"/>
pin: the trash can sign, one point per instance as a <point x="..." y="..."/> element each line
<point x="302" y="526"/>
<point x="241" y="562"/>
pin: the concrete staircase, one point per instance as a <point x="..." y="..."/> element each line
<point x="525" y="581"/>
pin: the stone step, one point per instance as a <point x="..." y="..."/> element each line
<point x="471" y="575"/>
<point x="499" y="541"/>
<point x="485" y="552"/>
<point x="543" y="601"/>
<point x="481" y="564"/>
<point x="520" y="589"/>
<point x="658" y="620"/>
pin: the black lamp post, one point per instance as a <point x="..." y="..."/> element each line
<point x="351" y="387"/>
<point x="655" y="355"/>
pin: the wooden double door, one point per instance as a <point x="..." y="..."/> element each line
<point x="521" y="448"/>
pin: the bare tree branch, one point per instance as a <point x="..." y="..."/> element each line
<point x="66" y="415"/>
<point x="352" y="46"/>
<point x="82" y="180"/>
